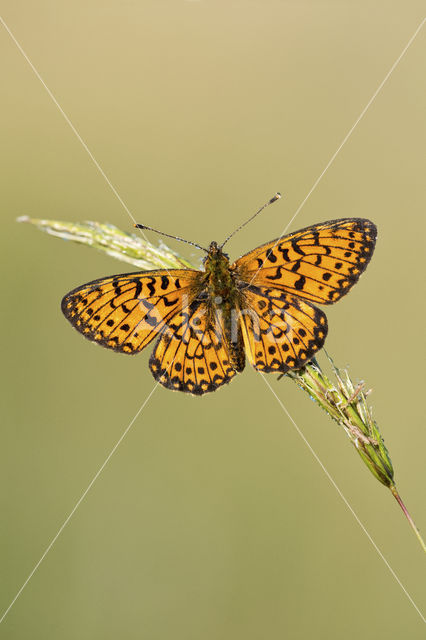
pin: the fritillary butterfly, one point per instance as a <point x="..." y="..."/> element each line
<point x="262" y="306"/>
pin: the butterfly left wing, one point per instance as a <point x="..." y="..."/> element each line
<point x="193" y="353"/>
<point x="125" y="312"/>
<point x="280" y="331"/>
<point x="320" y="263"/>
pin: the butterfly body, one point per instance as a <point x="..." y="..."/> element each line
<point x="224" y="299"/>
<point x="261" y="306"/>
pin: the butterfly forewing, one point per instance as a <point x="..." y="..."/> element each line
<point x="125" y="312"/>
<point x="320" y="263"/>
<point x="281" y="331"/>
<point x="193" y="354"/>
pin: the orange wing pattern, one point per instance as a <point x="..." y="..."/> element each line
<point x="281" y="331"/>
<point x="192" y="353"/>
<point x="125" y="312"/>
<point x="320" y="263"/>
<point x="262" y="304"/>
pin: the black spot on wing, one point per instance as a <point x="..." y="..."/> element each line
<point x="300" y="283"/>
<point x="151" y="286"/>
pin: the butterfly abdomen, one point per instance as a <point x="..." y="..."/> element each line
<point x="231" y="330"/>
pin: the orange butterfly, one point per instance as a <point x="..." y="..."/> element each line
<point x="207" y="321"/>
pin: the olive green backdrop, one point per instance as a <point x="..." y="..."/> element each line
<point x="212" y="519"/>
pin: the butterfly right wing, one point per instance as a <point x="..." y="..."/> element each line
<point x="125" y="312"/>
<point x="281" y="331"/>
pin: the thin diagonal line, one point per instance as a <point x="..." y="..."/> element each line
<point x="357" y="121"/>
<point x="348" y="135"/>
<point x="154" y="388"/>
<point x="85" y="492"/>
<point x="79" y="501"/>
<point x="113" y="450"/>
<point x="342" y="497"/>
<point x="72" y="127"/>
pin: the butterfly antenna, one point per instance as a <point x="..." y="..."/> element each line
<point x="276" y="197"/>
<point x="194" y="244"/>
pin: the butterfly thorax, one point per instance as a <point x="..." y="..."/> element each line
<point x="222" y="289"/>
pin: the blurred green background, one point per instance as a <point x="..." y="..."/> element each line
<point x="212" y="519"/>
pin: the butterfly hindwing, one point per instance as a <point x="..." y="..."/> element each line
<point x="193" y="354"/>
<point x="320" y="263"/>
<point x="281" y="331"/>
<point x="125" y="312"/>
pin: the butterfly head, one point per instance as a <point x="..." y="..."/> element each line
<point x="215" y="255"/>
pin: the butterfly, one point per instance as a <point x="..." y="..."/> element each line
<point x="262" y="306"/>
